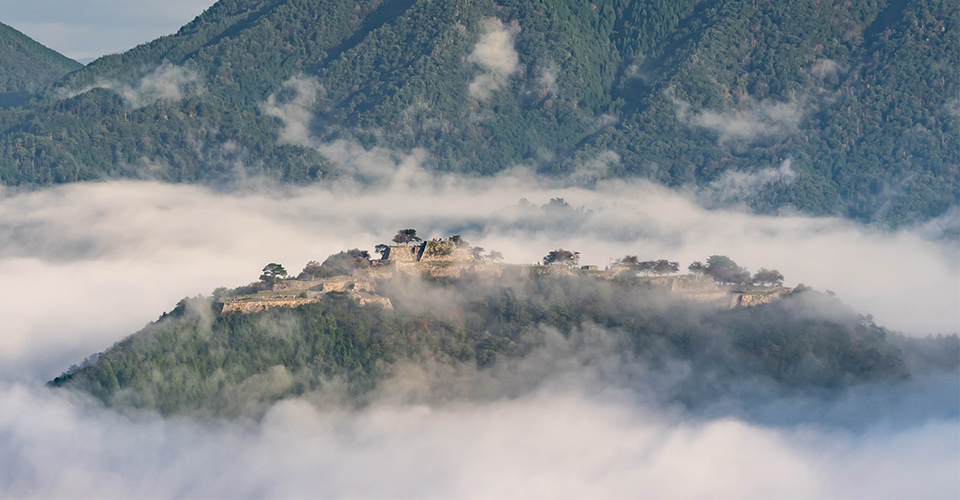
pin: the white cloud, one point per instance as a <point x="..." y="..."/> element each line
<point x="375" y="165"/>
<point x="297" y="112"/>
<point x="166" y="82"/>
<point x="735" y="187"/>
<point x="755" y="120"/>
<point x="825" y="67"/>
<point x="545" y="445"/>
<point x="496" y="55"/>
<point x="952" y="106"/>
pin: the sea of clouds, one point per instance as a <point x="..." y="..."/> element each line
<point x="84" y="265"/>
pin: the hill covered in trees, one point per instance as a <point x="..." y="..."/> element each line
<point x="848" y="108"/>
<point x="486" y="337"/>
<point x="26" y="67"/>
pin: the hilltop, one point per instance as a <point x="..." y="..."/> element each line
<point x="844" y="108"/>
<point x="341" y="329"/>
<point x="27" y="67"/>
<point x="451" y="258"/>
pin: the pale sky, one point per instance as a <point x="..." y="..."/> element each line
<point x="85" y="29"/>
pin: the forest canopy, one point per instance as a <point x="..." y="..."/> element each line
<point x="836" y="108"/>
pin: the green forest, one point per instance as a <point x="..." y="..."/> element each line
<point x="860" y="96"/>
<point x="196" y="360"/>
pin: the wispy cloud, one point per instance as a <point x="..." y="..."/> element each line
<point x="297" y="111"/>
<point x="166" y="82"/>
<point x="495" y="54"/>
<point x="737" y="187"/>
<point x="752" y="121"/>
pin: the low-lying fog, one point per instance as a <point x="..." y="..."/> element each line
<point x="84" y="265"/>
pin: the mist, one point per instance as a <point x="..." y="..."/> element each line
<point x="105" y="258"/>
<point x="85" y="265"/>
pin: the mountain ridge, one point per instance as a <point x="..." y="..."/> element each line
<point x="855" y="97"/>
<point x="27" y="67"/>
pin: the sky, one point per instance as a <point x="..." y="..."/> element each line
<point x="87" y="29"/>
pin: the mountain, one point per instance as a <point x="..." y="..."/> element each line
<point x="845" y="108"/>
<point x="27" y="67"/>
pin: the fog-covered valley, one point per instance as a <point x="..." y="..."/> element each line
<point x="85" y="265"/>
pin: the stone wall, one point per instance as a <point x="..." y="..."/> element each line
<point x="446" y="251"/>
<point x="293" y="285"/>
<point x="740" y="299"/>
<point x="409" y="253"/>
<point x="249" y="306"/>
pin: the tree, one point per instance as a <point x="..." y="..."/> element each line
<point x="725" y="270"/>
<point x="273" y="273"/>
<point x="697" y="268"/>
<point x="646" y="267"/>
<point x="562" y="257"/>
<point x="494" y="256"/>
<point x="382" y="249"/>
<point x="771" y="276"/>
<point x="405" y="236"/>
<point x="311" y="271"/>
<point x="663" y="267"/>
<point x="344" y="263"/>
<point x="629" y="261"/>
<point x="478" y="252"/>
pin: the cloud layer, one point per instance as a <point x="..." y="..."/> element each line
<point x="135" y="248"/>
<point x="86" y="264"/>
<point x="546" y="445"/>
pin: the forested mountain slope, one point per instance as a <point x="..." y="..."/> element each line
<point x="198" y="360"/>
<point x="861" y="97"/>
<point x="27" y="67"/>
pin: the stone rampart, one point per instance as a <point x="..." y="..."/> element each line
<point x="750" y="299"/>
<point x="293" y="285"/>
<point x="406" y="253"/>
<point x="446" y="251"/>
<point x="249" y="306"/>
